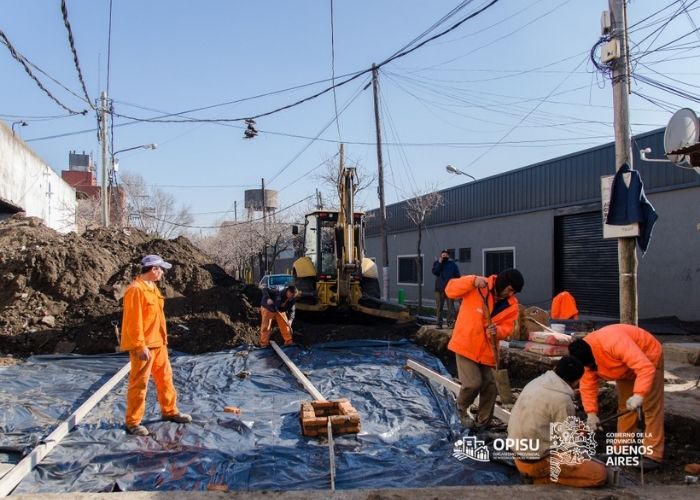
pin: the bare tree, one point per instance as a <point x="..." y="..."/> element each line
<point x="152" y="210"/>
<point x="331" y="177"/>
<point x="418" y="209"/>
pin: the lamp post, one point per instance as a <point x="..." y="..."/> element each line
<point x="21" y="123"/>
<point x="453" y="170"/>
<point x="105" y="185"/>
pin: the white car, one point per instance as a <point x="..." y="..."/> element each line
<point x="276" y="281"/>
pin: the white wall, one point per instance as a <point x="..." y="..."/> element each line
<point x="26" y="181"/>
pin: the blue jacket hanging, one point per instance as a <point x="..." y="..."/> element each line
<point x="628" y="205"/>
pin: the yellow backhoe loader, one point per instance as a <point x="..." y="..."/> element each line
<point x="334" y="273"/>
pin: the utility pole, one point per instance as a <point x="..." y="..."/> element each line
<point x="380" y="176"/>
<point x="264" y="211"/>
<point x="626" y="247"/>
<point x="104" y="190"/>
<point x="235" y="211"/>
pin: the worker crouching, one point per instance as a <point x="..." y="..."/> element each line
<point x="280" y="307"/>
<point x="547" y="400"/>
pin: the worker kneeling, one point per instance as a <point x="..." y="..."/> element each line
<point x="542" y="408"/>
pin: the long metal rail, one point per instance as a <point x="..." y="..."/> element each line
<point x="317" y="396"/>
<point x="498" y="412"/>
<point x="10" y="480"/>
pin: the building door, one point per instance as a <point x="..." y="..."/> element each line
<point x="585" y="264"/>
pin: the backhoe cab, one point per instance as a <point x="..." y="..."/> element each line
<point x="334" y="273"/>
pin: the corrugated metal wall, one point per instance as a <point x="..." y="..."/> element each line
<point x="569" y="180"/>
<point x="585" y="264"/>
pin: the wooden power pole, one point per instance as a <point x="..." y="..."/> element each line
<point x="382" y="205"/>
<point x="626" y="247"/>
<point x="104" y="186"/>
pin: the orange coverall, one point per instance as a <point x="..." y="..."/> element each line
<point x="634" y="359"/>
<point x="564" y="306"/>
<point x="143" y="325"/>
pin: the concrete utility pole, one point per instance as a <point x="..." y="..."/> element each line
<point x="104" y="190"/>
<point x="626" y="247"/>
<point x="264" y="211"/>
<point x="382" y="206"/>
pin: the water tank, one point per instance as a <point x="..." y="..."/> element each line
<point x="254" y="200"/>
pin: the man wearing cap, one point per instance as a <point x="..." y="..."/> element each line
<point x="144" y="335"/>
<point x="488" y="313"/>
<point x="444" y="270"/>
<point x="546" y="400"/>
<point x="634" y="359"/>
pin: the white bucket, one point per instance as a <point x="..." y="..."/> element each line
<point x="558" y="327"/>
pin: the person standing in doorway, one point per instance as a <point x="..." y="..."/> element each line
<point x="145" y="337"/>
<point x="444" y="270"/>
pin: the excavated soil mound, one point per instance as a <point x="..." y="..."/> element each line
<point x="61" y="292"/>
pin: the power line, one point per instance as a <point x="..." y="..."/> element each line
<point x="314" y="139"/>
<point x="335" y="98"/>
<point x="326" y="90"/>
<point x="224" y="225"/>
<point x="20" y="59"/>
<point x="71" y="41"/>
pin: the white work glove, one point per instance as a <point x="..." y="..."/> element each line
<point x="593" y="422"/>
<point x="634" y="402"/>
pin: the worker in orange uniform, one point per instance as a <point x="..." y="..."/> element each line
<point x="471" y="336"/>
<point x="634" y="359"/>
<point x="564" y="306"/>
<point x="547" y="400"/>
<point x="273" y="306"/>
<point x="144" y="335"/>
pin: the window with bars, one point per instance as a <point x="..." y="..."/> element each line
<point x="498" y="259"/>
<point x="465" y="254"/>
<point x="409" y="272"/>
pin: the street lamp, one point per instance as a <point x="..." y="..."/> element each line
<point x="453" y="170"/>
<point x="21" y="123"/>
<point x="115" y="160"/>
<point x="105" y="187"/>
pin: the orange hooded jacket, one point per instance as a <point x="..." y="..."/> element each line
<point x="469" y="337"/>
<point x="143" y="321"/>
<point x="620" y="352"/>
<point x="564" y="306"/>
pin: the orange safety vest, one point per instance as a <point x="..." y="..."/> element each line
<point x="469" y="337"/>
<point x="621" y="352"/>
<point x="143" y="321"/>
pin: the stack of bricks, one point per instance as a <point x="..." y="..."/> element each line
<point x="315" y="414"/>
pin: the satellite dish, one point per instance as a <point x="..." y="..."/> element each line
<point x="682" y="131"/>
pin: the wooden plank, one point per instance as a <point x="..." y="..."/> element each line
<point x="297" y="373"/>
<point x="10" y="481"/>
<point x="452" y="386"/>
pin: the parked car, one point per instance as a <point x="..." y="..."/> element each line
<point x="276" y="281"/>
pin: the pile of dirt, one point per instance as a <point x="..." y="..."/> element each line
<point x="61" y="292"/>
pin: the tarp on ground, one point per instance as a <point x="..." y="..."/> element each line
<point x="409" y="425"/>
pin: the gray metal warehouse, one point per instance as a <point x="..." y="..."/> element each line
<point x="546" y="220"/>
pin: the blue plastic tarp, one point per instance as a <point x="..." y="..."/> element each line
<point x="409" y="425"/>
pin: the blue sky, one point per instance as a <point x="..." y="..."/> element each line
<point x="510" y="87"/>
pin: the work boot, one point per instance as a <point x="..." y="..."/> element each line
<point x="137" y="430"/>
<point x="180" y="418"/>
<point x="467" y="421"/>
